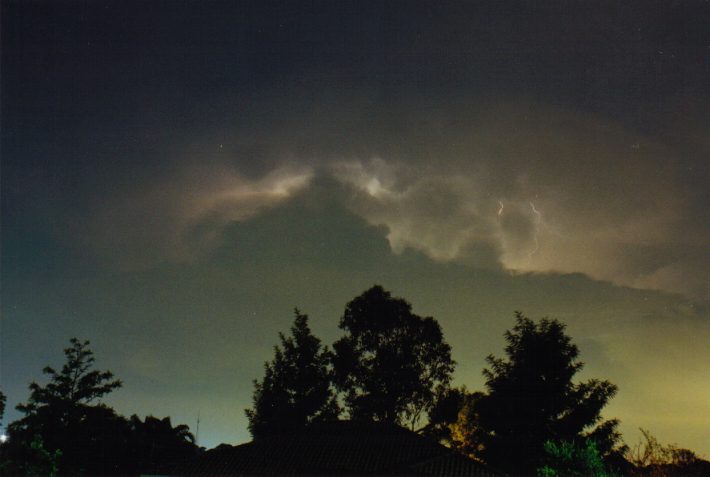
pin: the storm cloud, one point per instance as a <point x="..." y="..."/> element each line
<point x="516" y="185"/>
<point x="176" y="177"/>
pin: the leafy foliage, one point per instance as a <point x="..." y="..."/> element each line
<point x="65" y="430"/>
<point x="465" y="429"/>
<point x="296" y="388"/>
<point x="75" y="386"/>
<point x="42" y="462"/>
<point x="61" y="416"/>
<point x="531" y="399"/>
<point x="391" y="363"/>
<point x="570" y="459"/>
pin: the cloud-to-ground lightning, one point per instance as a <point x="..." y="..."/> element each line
<point x="538" y="221"/>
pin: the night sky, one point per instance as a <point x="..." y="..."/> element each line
<point x="177" y="176"/>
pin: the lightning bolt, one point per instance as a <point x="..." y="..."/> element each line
<point x="536" y="212"/>
<point x="538" y="221"/>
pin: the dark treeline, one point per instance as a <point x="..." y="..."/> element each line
<point x="66" y="430"/>
<point x="390" y="365"/>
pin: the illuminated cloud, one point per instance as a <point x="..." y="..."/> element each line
<point x="500" y="183"/>
<point x="179" y="218"/>
<point x="448" y="217"/>
<point x="535" y="189"/>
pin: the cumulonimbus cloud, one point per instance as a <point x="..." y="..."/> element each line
<point x="542" y="191"/>
<point x="509" y="184"/>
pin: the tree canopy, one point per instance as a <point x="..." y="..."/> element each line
<point x="391" y="363"/>
<point x="463" y="430"/>
<point x="531" y="399"/>
<point x="296" y="388"/>
<point x="570" y="459"/>
<point x="66" y="430"/>
<point x="59" y="414"/>
<point x="74" y="386"/>
<point x="155" y="441"/>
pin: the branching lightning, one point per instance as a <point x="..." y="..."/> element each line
<point x="536" y="212"/>
<point x="538" y="221"/>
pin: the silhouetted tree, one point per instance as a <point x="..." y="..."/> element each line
<point x="3" y="459"/>
<point x="531" y="399"/>
<point x="2" y="405"/>
<point x="64" y="416"/>
<point x="65" y="430"/>
<point x="391" y="363"/>
<point x="444" y="413"/>
<point x="73" y="388"/>
<point x="650" y="458"/>
<point x="154" y="443"/>
<point x="296" y="388"/>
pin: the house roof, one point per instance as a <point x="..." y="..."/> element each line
<point x="336" y="448"/>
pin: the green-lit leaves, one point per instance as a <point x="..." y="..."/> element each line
<point x="531" y="398"/>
